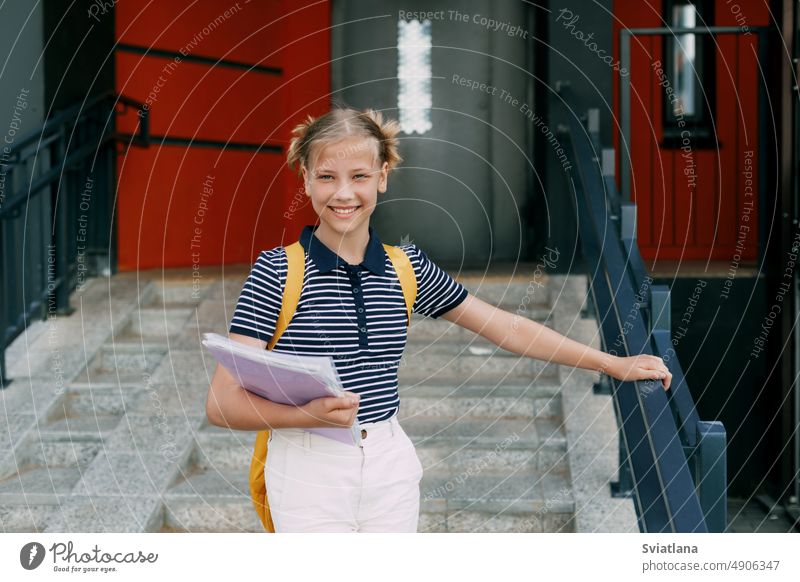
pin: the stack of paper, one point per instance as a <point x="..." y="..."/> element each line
<point x="283" y="378"/>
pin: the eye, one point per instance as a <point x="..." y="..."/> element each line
<point x="324" y="176"/>
<point x="360" y="176"/>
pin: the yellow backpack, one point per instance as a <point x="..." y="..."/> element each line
<point x="295" y="255"/>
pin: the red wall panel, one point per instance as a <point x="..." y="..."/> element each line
<point x="195" y="100"/>
<point x="160" y="187"/>
<point x="237" y="31"/>
<point x="676" y="220"/>
<point x="172" y="220"/>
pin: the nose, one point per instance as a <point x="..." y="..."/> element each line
<point x="344" y="192"/>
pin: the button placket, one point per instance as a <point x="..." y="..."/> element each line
<point x="355" y="276"/>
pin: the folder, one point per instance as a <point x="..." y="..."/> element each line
<point x="283" y="378"/>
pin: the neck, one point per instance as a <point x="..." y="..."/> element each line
<point x="350" y="245"/>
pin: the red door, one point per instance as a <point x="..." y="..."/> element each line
<point x="694" y="129"/>
<point x="224" y="83"/>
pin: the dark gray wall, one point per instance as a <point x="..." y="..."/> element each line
<point x="21" y="71"/>
<point x="713" y="339"/>
<point x="464" y="190"/>
<point x="570" y="60"/>
<point x="78" y="59"/>
<point x="506" y="196"/>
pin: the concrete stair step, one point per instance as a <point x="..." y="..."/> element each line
<point x="25" y="518"/>
<point x="490" y="517"/>
<point x="520" y="491"/>
<point x="48" y="471"/>
<point x="230" y="455"/>
<point x="517" y="294"/>
<point x="79" y="427"/>
<point x="102" y="512"/>
<point x="427" y="329"/>
<point x="45" y="482"/>
<point x="524" y="389"/>
<point x="78" y="416"/>
<point x="474" y="346"/>
<point x="210" y="514"/>
<point x="542" y="431"/>
<point x="129" y="474"/>
<point x="199" y="483"/>
<point x="174" y="293"/>
<point x="122" y="363"/>
<point x="144" y="398"/>
<point x="59" y="452"/>
<point x="445" y="457"/>
<point x="97" y="399"/>
<point x="229" y="451"/>
<point x="457" y="404"/>
<point x="238" y="515"/>
<point x="155" y="324"/>
<point x="449" y="364"/>
<point x="213" y="495"/>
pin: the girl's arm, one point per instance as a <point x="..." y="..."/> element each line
<point x="528" y="338"/>
<point x="230" y="405"/>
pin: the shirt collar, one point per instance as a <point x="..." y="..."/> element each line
<point x="325" y="259"/>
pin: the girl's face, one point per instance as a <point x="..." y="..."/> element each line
<point x="344" y="184"/>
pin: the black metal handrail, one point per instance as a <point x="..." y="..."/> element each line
<point x="671" y="463"/>
<point x="57" y="223"/>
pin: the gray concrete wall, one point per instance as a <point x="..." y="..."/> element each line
<point x="21" y="70"/>
<point x="574" y="59"/>
<point x="463" y="192"/>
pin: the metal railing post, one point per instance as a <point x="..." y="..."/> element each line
<point x="62" y="199"/>
<point x="660" y="306"/>
<point x="627" y="223"/>
<point x="711" y="474"/>
<point x="623" y="486"/>
<point x="4" y="307"/>
<point x="625" y="115"/>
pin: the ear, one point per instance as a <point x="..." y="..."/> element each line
<point x="384" y="177"/>
<point x="305" y="179"/>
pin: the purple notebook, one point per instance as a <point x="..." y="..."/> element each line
<point x="283" y="378"/>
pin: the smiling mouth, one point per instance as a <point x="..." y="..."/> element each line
<point x="344" y="211"/>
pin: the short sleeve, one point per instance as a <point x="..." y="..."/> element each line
<point x="437" y="292"/>
<point x="259" y="303"/>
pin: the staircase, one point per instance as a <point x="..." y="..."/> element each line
<point x="125" y="446"/>
<point x="98" y="455"/>
<point x="487" y="425"/>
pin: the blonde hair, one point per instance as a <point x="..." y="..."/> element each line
<point x="338" y="124"/>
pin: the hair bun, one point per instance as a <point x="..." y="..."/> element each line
<point x="338" y="124"/>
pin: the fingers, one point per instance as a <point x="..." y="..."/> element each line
<point x="339" y="415"/>
<point x="336" y="402"/>
<point x="657" y="363"/>
<point x="660" y="372"/>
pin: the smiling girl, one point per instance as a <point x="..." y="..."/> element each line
<point x="352" y="308"/>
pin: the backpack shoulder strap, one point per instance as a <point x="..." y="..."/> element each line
<point x="405" y="272"/>
<point x="296" y="259"/>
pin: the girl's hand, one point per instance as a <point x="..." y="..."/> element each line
<point x="331" y="411"/>
<point x="641" y="367"/>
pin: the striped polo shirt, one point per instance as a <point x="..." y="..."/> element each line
<point x="356" y="314"/>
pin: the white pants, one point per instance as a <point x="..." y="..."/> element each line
<point x="316" y="484"/>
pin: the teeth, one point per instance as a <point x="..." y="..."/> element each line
<point x="337" y="211"/>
